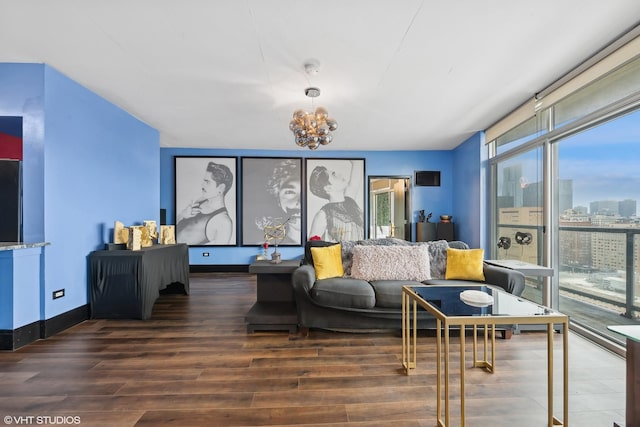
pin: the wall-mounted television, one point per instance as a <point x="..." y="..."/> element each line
<point x="11" y="196"/>
<point x="427" y="178"/>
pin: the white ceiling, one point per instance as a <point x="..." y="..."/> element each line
<point x="395" y="74"/>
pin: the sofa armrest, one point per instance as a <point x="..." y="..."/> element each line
<point x="303" y="278"/>
<point x="510" y="280"/>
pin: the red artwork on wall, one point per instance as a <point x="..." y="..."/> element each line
<point x="10" y="147"/>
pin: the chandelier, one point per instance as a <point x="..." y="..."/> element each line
<point x="312" y="129"/>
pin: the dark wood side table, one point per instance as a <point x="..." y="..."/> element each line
<point x="275" y="308"/>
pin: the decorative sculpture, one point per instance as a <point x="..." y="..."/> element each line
<point x="167" y="235"/>
<point x="504" y="242"/>
<point x="134" y="242"/>
<point x="152" y="229"/>
<point x="143" y="236"/>
<point x="120" y="233"/>
<point x="274" y="233"/>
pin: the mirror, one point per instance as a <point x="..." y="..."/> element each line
<point x="389" y="207"/>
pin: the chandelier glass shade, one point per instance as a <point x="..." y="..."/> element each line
<point x="312" y="129"/>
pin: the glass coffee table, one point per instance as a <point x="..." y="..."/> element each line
<point x="456" y="307"/>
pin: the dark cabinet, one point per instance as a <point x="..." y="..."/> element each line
<point x="428" y="231"/>
<point x="445" y="231"/>
<point x="425" y="231"/>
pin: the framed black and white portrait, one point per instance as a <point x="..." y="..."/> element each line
<point x="271" y="196"/>
<point x="335" y="199"/>
<point x="206" y="197"/>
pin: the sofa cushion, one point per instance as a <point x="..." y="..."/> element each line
<point x="389" y="292"/>
<point x="465" y="264"/>
<point x="391" y="263"/>
<point x="344" y="292"/>
<point x="327" y="261"/>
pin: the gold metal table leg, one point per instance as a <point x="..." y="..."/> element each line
<point x="446" y="374"/>
<point x="485" y="363"/>
<point x="405" y="333"/>
<point x="552" y="420"/>
<point x="415" y="334"/>
<point x="439" y="371"/>
<point x="462" y="338"/>
<point x="493" y="348"/>
<point x="409" y="333"/>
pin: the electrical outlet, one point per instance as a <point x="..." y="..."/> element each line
<point x="205" y="253"/>
<point x="58" y="294"/>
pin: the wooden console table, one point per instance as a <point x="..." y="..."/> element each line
<point x="275" y="308"/>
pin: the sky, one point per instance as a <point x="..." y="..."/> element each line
<point x="603" y="162"/>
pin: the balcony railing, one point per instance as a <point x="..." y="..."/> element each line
<point x="585" y="291"/>
<point x="630" y="305"/>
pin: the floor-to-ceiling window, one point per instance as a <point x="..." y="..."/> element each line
<point x="565" y="185"/>
<point x="599" y="225"/>
<point x="519" y="212"/>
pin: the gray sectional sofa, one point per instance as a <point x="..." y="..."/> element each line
<point x="349" y="304"/>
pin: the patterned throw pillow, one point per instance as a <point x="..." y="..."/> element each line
<point x="391" y="263"/>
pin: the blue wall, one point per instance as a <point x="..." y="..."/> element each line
<point x="468" y="198"/>
<point x="101" y="165"/>
<point x="86" y="164"/>
<point x="432" y="199"/>
<point x="19" y="304"/>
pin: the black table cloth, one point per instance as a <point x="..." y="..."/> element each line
<point x="125" y="284"/>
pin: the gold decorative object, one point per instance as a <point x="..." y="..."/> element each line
<point x="143" y="236"/>
<point x="274" y="233"/>
<point x="167" y="235"/>
<point x="134" y="242"/>
<point x="145" y="239"/>
<point x="120" y="233"/>
<point x="152" y="228"/>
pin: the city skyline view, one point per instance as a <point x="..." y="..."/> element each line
<point x="603" y="162"/>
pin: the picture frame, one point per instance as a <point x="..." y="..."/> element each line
<point x="272" y="192"/>
<point x="335" y="198"/>
<point x="206" y="210"/>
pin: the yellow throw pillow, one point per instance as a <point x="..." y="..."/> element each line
<point x="465" y="264"/>
<point x="327" y="261"/>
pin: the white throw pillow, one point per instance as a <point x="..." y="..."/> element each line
<point x="391" y="263"/>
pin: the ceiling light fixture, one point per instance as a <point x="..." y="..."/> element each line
<point x="312" y="129"/>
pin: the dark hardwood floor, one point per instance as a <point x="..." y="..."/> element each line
<point x="193" y="364"/>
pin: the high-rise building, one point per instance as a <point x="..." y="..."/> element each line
<point x="627" y="208"/>
<point x="581" y="210"/>
<point x="603" y="207"/>
<point x="532" y="194"/>
<point x="511" y="184"/>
